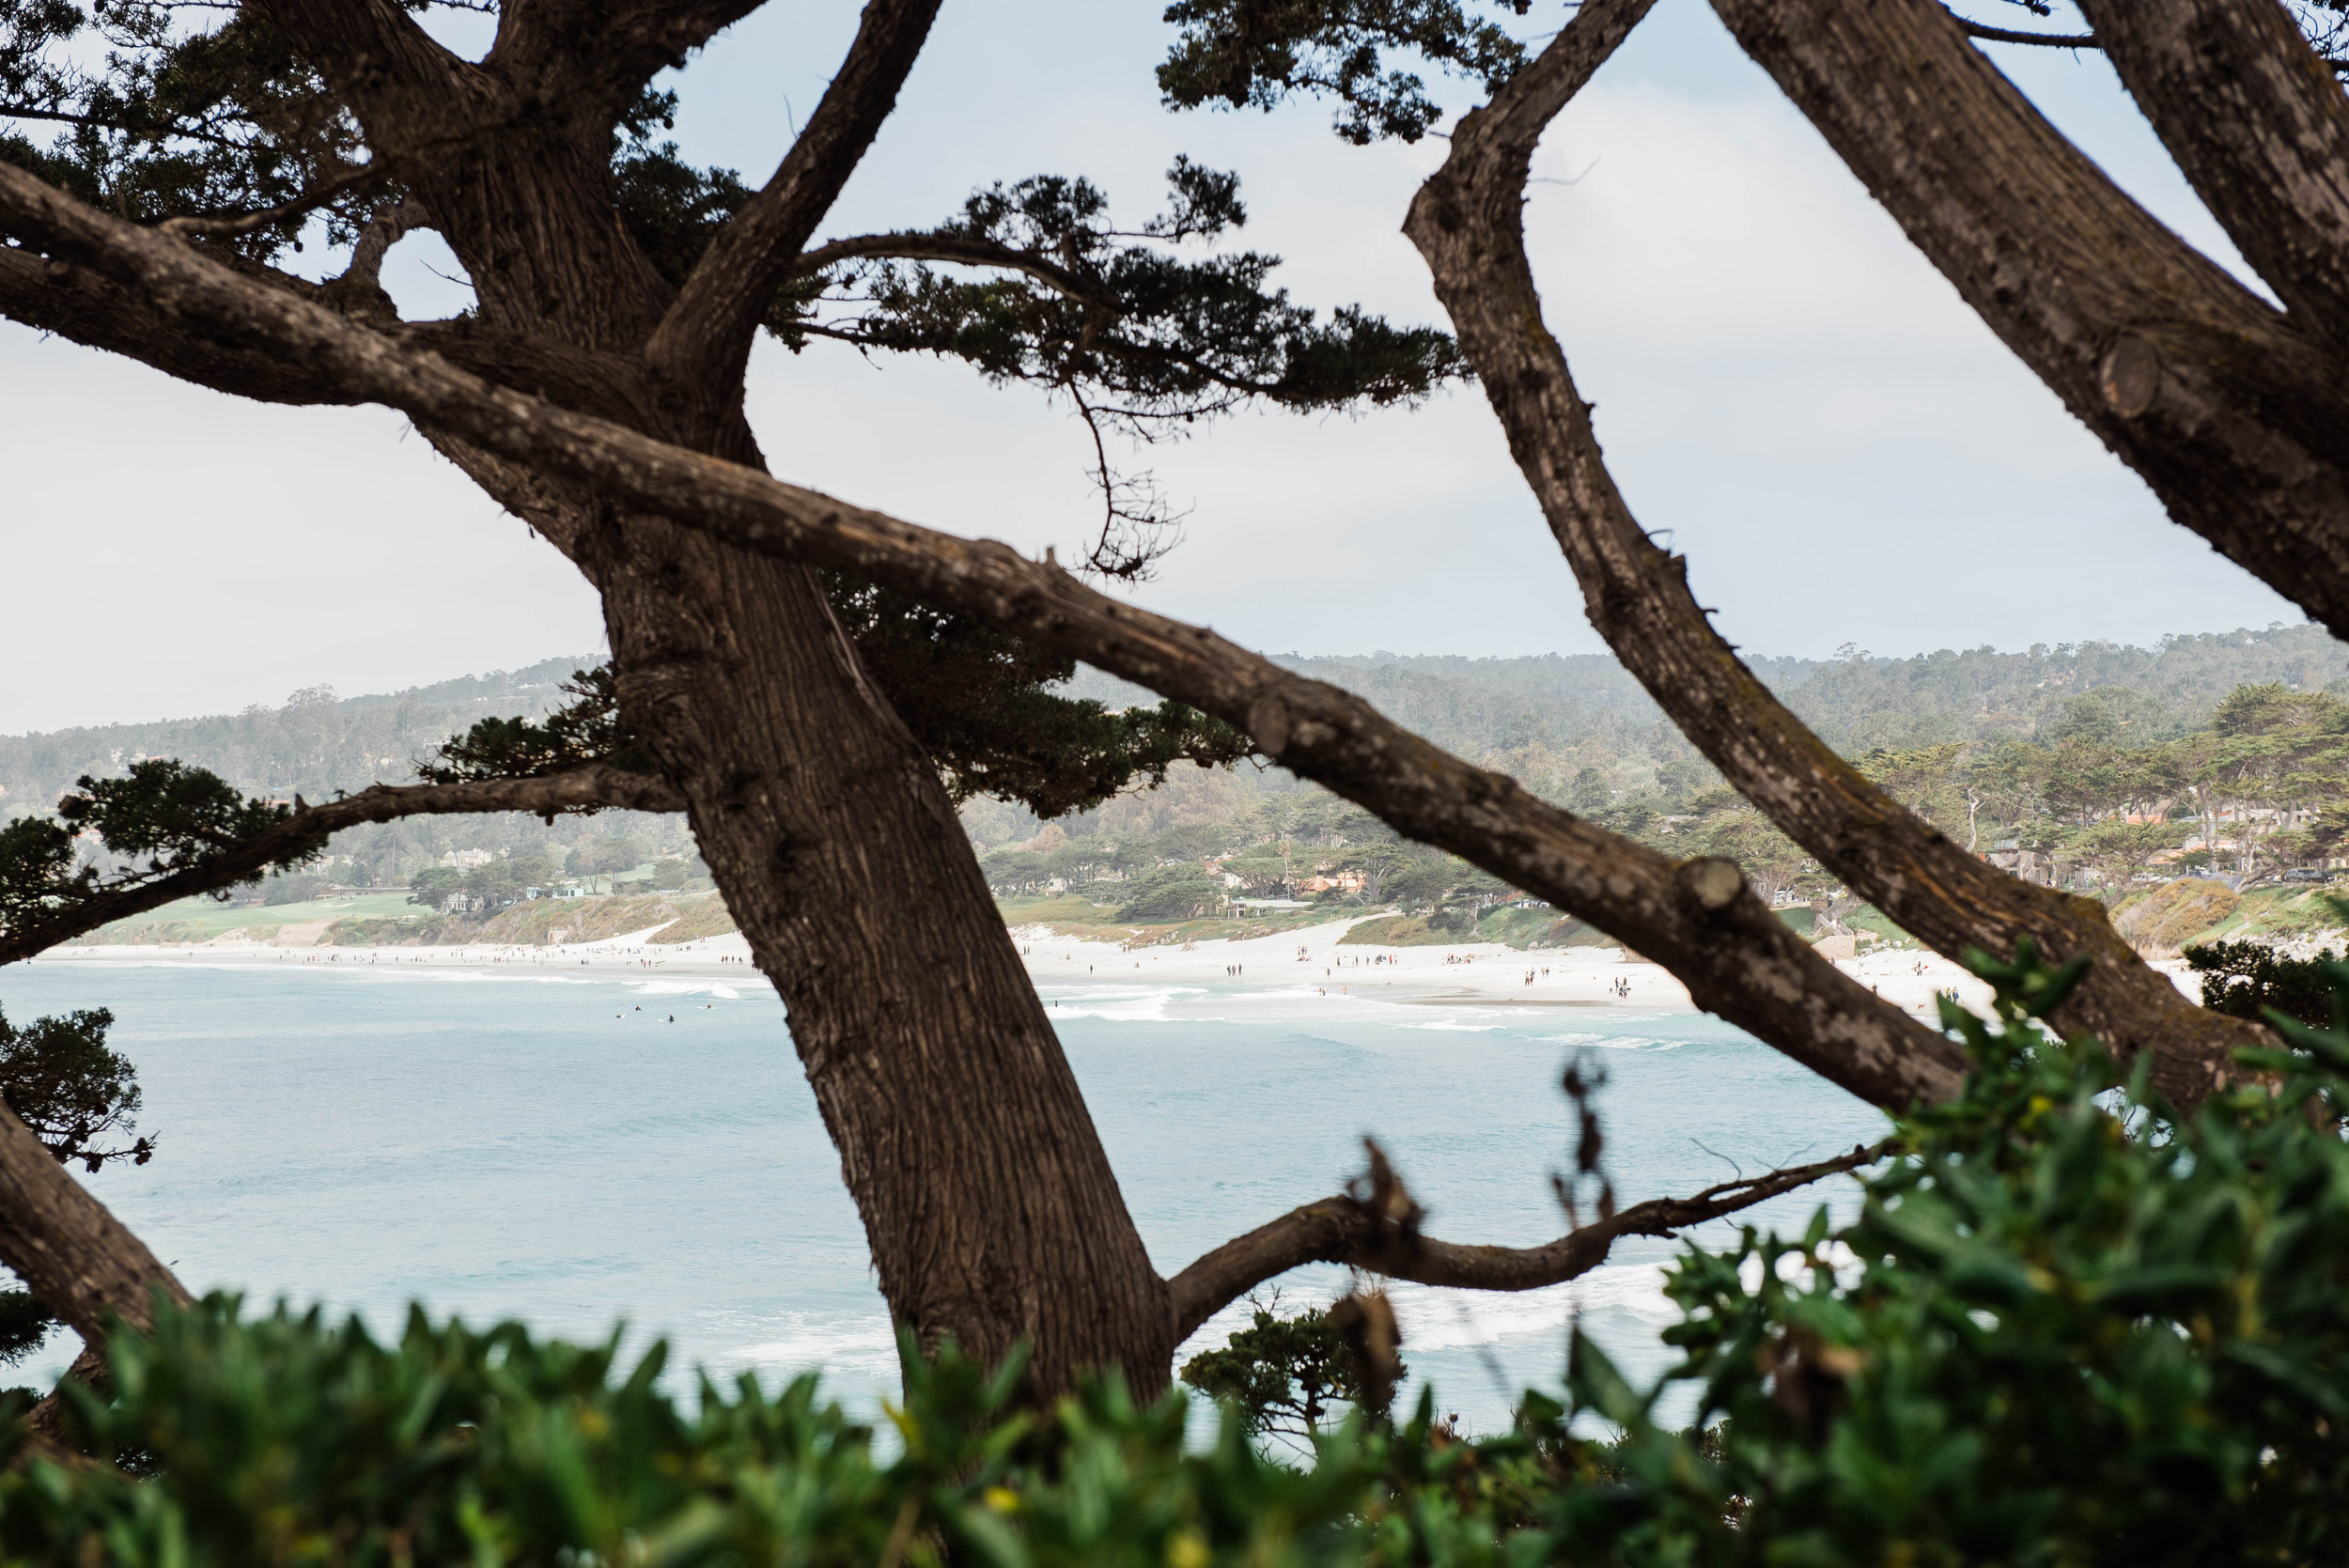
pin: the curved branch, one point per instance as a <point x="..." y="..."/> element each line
<point x="2237" y="420"/>
<point x="2261" y="136"/>
<point x="594" y="785"/>
<point x="707" y="333"/>
<point x="1467" y="222"/>
<point x="1698" y="918"/>
<point x="223" y="226"/>
<point x="1345" y="1230"/>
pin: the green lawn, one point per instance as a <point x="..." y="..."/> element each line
<point x="196" y="920"/>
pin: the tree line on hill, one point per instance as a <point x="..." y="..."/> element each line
<point x="2110" y="786"/>
<point x="2051" y="747"/>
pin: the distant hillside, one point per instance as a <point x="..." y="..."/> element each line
<point x="1561" y="723"/>
<point x="315" y="743"/>
<point x="1474" y="706"/>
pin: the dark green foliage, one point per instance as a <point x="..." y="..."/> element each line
<point x="2066" y="1328"/>
<point x="587" y="729"/>
<point x="1289" y="1377"/>
<point x="1161" y="338"/>
<point x="162" y="819"/>
<point x="672" y="208"/>
<point x="977" y="700"/>
<point x="2244" y="980"/>
<point x="297" y="888"/>
<point x="24" y="1325"/>
<point x="283" y="1440"/>
<point x="972" y="696"/>
<point x="1259" y="52"/>
<point x="161" y="120"/>
<point x="432" y="886"/>
<point x="63" y="1081"/>
<point x="2058" y="1335"/>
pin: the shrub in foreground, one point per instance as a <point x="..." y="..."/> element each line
<point x="2066" y="1327"/>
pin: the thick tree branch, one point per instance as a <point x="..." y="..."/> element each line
<point x="1347" y="1230"/>
<point x="1698" y="918"/>
<point x="71" y="1252"/>
<point x="395" y="76"/>
<point x="595" y="785"/>
<point x="1467" y="224"/>
<point x="2259" y="128"/>
<point x="2239" y="422"/>
<point x="52" y="295"/>
<point x="707" y="333"/>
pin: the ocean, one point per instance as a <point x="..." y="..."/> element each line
<point x="581" y="1150"/>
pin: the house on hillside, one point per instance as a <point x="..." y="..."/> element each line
<point x="2030" y="864"/>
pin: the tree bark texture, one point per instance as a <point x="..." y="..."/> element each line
<point x="2236" y="417"/>
<point x="68" y="1248"/>
<point x="1466" y="222"/>
<point x="2260" y="127"/>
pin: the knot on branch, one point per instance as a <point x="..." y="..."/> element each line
<point x="1712" y="882"/>
<point x="2130" y="376"/>
<point x="1268" y="722"/>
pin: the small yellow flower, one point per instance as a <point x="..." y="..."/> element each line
<point x="1002" y="1500"/>
<point x="1186" y="1550"/>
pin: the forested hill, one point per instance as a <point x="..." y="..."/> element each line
<point x="315" y="743"/>
<point x="1862" y="703"/>
<point x="1519" y="708"/>
<point x="1857" y="702"/>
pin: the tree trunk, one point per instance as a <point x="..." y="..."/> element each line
<point x="987" y="1197"/>
<point x="988" y="1200"/>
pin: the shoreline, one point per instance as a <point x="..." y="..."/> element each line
<point x="1468" y="974"/>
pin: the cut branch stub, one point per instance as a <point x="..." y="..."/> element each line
<point x="1348" y="1230"/>
<point x="2131" y="375"/>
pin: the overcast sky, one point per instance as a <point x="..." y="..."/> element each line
<point x="1842" y="450"/>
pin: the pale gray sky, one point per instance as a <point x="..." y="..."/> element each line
<point x="1843" y="451"/>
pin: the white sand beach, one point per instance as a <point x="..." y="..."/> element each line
<point x="1312" y="959"/>
<point x="1472" y="974"/>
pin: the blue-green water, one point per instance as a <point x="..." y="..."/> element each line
<point x="516" y="1143"/>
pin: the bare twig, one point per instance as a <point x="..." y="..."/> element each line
<point x="962" y="250"/>
<point x="228" y="225"/>
<point x="2008" y="35"/>
<point x="1380" y="1234"/>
